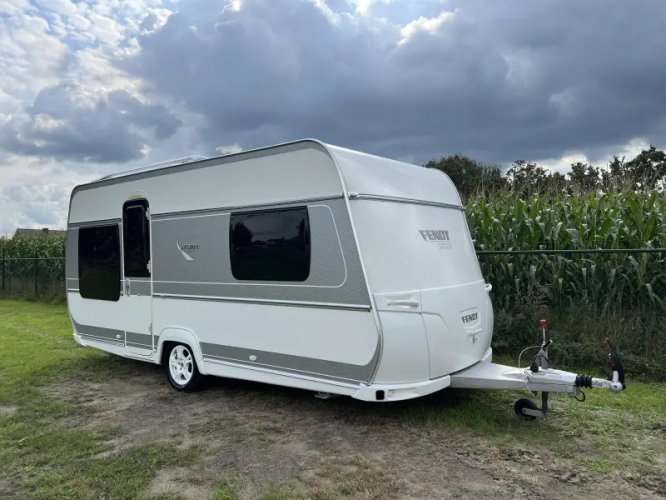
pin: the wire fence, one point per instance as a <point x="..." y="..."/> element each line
<point x="44" y="277"/>
<point x="611" y="279"/>
<point x="576" y="251"/>
<point x="32" y="277"/>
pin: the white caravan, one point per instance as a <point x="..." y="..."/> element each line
<point x="303" y="264"/>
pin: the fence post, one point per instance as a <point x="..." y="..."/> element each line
<point x="3" y="267"/>
<point x="36" y="263"/>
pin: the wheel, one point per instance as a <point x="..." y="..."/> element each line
<point x="181" y="368"/>
<point x="524" y="403"/>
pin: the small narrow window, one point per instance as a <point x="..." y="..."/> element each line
<point x="99" y="262"/>
<point x="136" y="239"/>
<point x="270" y="245"/>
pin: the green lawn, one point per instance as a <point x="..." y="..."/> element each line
<point x="41" y="457"/>
<point x="44" y="455"/>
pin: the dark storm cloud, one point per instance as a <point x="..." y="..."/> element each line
<point x="113" y="130"/>
<point x="498" y="80"/>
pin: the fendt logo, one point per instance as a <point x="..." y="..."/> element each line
<point x="468" y="318"/>
<point x="434" y="235"/>
<point x="439" y="236"/>
<point x="187" y="249"/>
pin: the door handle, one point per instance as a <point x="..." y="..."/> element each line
<point x="403" y="302"/>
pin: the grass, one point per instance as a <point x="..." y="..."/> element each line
<point x="225" y="492"/>
<point x="606" y="433"/>
<point x="42" y="457"/>
<point x="45" y="454"/>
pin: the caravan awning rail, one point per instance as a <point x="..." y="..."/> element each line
<point x="156" y="166"/>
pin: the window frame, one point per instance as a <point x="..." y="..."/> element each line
<point x="234" y="249"/>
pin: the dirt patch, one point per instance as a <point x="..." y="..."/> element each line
<point x="5" y="488"/>
<point x="257" y="437"/>
<point x="6" y="410"/>
<point x="177" y="481"/>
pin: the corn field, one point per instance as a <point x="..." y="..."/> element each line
<point x="606" y="282"/>
<point x="32" y="267"/>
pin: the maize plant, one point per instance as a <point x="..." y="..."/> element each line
<point x="30" y="265"/>
<point x="608" y="282"/>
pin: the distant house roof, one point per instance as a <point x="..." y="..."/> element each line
<point x="52" y="233"/>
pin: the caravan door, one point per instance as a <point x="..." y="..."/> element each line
<point x="137" y="282"/>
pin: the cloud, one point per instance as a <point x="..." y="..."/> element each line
<point x="363" y="7"/>
<point x="229" y="149"/>
<point x="30" y="56"/>
<point x="34" y="192"/>
<point x="498" y="81"/>
<point x="111" y="130"/>
<point x="65" y="106"/>
<point x="425" y="25"/>
<point x="62" y="97"/>
<point x="39" y="206"/>
<point x="125" y="83"/>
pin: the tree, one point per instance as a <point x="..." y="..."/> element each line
<point x="616" y="167"/>
<point x="556" y="183"/>
<point x="648" y="170"/>
<point x="527" y="178"/>
<point x="470" y="176"/>
<point x="584" y="178"/>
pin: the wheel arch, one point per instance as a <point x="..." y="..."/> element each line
<point x="180" y="336"/>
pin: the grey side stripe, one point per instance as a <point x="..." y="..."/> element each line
<point x="262" y="293"/>
<point x="139" y="340"/>
<point x="317" y="305"/>
<point x="100" y="332"/>
<point x="137" y="286"/>
<point x="119" y="343"/>
<point x="105" y="222"/>
<point x="72" y="257"/>
<point x="109" y="335"/>
<point x="290" y="363"/>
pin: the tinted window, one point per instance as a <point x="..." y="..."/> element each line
<point x="271" y="245"/>
<point x="99" y="262"/>
<point x="136" y="239"/>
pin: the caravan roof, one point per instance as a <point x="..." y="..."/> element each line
<point x="359" y="173"/>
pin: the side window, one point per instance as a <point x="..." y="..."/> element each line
<point x="270" y="245"/>
<point x="99" y="262"/>
<point x="136" y="239"/>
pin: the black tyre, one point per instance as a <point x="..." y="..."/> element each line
<point x="181" y="368"/>
<point x="524" y="403"/>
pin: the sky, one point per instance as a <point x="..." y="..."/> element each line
<point x="90" y="88"/>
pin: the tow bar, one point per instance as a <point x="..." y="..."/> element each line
<point x="539" y="377"/>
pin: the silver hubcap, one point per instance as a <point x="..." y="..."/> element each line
<point x="181" y="365"/>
